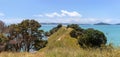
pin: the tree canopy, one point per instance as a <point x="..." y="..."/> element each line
<point x="24" y="36"/>
<point x="88" y="37"/>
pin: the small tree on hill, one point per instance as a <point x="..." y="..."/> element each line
<point x="92" y="38"/>
<point x="74" y="26"/>
<point x="53" y="30"/>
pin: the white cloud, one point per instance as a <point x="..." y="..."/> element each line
<point x="63" y="13"/>
<point x="55" y="14"/>
<point x="71" y="14"/>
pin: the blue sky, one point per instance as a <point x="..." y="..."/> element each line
<point x="60" y="11"/>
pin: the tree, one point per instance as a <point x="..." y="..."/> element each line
<point x="87" y="37"/>
<point x="53" y="30"/>
<point x="40" y="44"/>
<point x="15" y="38"/>
<point x="30" y="32"/>
<point x="24" y="35"/>
<point x="76" y="31"/>
<point x="3" y="41"/>
<point x="92" y="38"/>
<point x="59" y="25"/>
<point x="74" y="26"/>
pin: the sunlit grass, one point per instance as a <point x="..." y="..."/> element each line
<point x="21" y="54"/>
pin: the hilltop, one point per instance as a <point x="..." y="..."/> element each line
<point x="61" y="43"/>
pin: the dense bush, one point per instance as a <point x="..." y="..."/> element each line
<point x="76" y="32"/>
<point x="53" y="30"/>
<point x="92" y="38"/>
<point x="40" y="44"/>
<point x="87" y="37"/>
<point x="59" y="25"/>
<point x="74" y="26"/>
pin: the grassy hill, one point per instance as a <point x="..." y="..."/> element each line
<point x="60" y="44"/>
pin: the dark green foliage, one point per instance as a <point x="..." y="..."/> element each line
<point x="73" y="34"/>
<point x="92" y="38"/>
<point x="76" y="32"/>
<point x="59" y="25"/>
<point x="87" y="37"/>
<point x="74" y="26"/>
<point x="47" y="33"/>
<point x="54" y="29"/>
<point x="3" y="41"/>
<point x="24" y="35"/>
<point x="40" y="44"/>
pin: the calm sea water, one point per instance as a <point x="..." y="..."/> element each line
<point x="112" y="32"/>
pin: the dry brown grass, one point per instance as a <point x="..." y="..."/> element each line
<point x="21" y="54"/>
<point x="66" y="52"/>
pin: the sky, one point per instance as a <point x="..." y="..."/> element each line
<point x="60" y="11"/>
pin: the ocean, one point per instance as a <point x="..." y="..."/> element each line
<point x="112" y="32"/>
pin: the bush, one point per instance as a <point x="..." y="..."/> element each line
<point x="54" y="29"/>
<point x="76" y="32"/>
<point x="92" y="38"/>
<point x="74" y="26"/>
<point x="59" y="25"/>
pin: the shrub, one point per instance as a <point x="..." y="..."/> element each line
<point x="76" y="32"/>
<point x="92" y="38"/>
<point x="74" y="26"/>
<point x="59" y="25"/>
<point x="54" y="29"/>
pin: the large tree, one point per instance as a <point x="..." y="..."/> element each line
<point x="30" y="32"/>
<point x="24" y="35"/>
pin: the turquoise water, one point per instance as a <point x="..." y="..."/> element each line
<point x="112" y="32"/>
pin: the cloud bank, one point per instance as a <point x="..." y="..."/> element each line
<point x="63" y="16"/>
<point x="63" y="13"/>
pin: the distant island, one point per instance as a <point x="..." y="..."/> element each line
<point x="101" y="23"/>
<point x="117" y="24"/>
<point x="60" y="23"/>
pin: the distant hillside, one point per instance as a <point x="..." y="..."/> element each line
<point x="101" y="23"/>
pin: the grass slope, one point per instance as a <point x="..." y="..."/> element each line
<point x="60" y="44"/>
